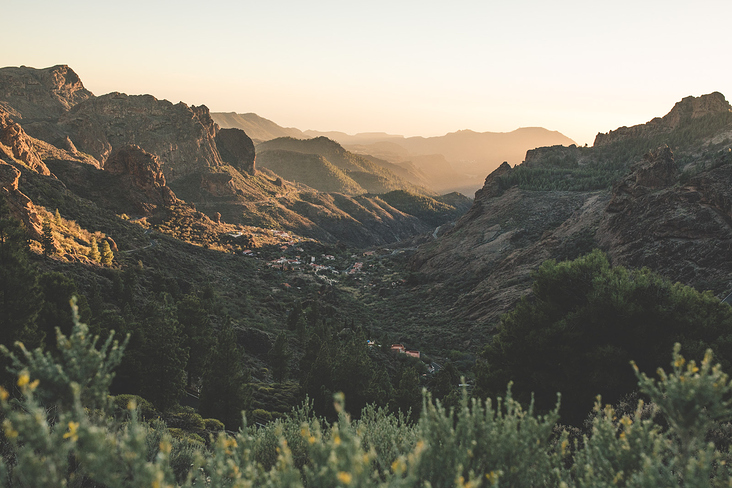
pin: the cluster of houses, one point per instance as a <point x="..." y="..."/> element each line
<point x="403" y="350"/>
<point x="398" y="348"/>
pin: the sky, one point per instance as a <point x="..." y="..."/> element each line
<point x="404" y="67"/>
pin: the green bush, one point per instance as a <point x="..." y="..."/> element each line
<point x="477" y="444"/>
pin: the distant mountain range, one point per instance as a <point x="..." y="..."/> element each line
<point x="466" y="157"/>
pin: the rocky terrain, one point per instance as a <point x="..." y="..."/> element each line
<point x="181" y="155"/>
<point x="671" y="212"/>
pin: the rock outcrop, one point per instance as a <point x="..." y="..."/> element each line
<point x="20" y="205"/>
<point x="237" y="149"/>
<point x="684" y="112"/>
<point x="492" y="186"/>
<point x="15" y="144"/>
<point x="41" y="94"/>
<point x="140" y="173"/>
<point x="657" y="170"/>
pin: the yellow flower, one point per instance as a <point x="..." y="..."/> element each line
<point x="3" y="394"/>
<point x="23" y="379"/>
<point x="344" y="477"/>
<point x="165" y="447"/>
<point x="131" y="405"/>
<point x="10" y="432"/>
<point x="337" y="440"/>
<point x="34" y="385"/>
<point x="679" y="362"/>
<point x="73" y="427"/>
<point x="565" y="443"/>
<point x="311" y="440"/>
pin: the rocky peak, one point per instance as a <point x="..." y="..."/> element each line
<point x="690" y="108"/>
<point x="684" y="112"/>
<point x="41" y="94"/>
<point x="492" y="186"/>
<point x="237" y="149"/>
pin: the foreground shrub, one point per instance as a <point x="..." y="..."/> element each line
<point x="491" y="443"/>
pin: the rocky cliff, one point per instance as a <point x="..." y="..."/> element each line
<point x="41" y="94"/>
<point x="686" y="112"/>
<point x="670" y="211"/>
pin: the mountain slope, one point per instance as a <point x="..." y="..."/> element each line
<point x="369" y="175"/>
<point x="312" y="170"/>
<point x="668" y="210"/>
<point x="256" y="127"/>
<point x="206" y="166"/>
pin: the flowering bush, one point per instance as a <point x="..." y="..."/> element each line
<point x="52" y="439"/>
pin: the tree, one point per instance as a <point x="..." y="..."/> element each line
<point x="47" y="241"/>
<point x="408" y="395"/>
<point x="583" y="325"/>
<point x="154" y="366"/>
<point x="197" y="333"/>
<point x="226" y="390"/>
<point x="57" y="290"/>
<point x="94" y="250"/>
<point x="20" y="298"/>
<point x="279" y="358"/>
<point x="107" y="257"/>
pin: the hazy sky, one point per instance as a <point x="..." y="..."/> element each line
<point x="413" y="68"/>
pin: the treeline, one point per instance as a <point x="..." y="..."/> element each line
<point x="182" y="343"/>
<point x="62" y="431"/>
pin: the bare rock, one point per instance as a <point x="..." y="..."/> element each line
<point x="236" y="148"/>
<point x="21" y="207"/>
<point x="143" y="176"/>
<point x="15" y="144"/>
<point x="656" y="170"/>
<point x="41" y="94"/>
<point x="492" y="187"/>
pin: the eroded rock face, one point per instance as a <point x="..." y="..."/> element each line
<point x="181" y="136"/>
<point x="141" y="173"/>
<point x="236" y="148"/>
<point x="20" y="205"/>
<point x="656" y="170"/>
<point x="492" y="187"/>
<point x="685" y="111"/>
<point x="15" y="144"/>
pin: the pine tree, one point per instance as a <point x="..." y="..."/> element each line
<point x="49" y="246"/>
<point x="107" y="254"/>
<point x="57" y="218"/>
<point x="197" y="333"/>
<point x="161" y="355"/>
<point x="94" y="251"/>
<point x="226" y="390"/>
<point x="20" y="298"/>
<point x="279" y="358"/>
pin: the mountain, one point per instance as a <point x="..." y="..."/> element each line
<point x="373" y="177"/>
<point x="256" y="127"/>
<point x="654" y="195"/>
<point x="205" y="171"/>
<point x="468" y="155"/>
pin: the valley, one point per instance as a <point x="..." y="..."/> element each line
<point x="289" y="262"/>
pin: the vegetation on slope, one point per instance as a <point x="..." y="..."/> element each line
<point x="312" y="170"/>
<point x="369" y="175"/>
<point x="477" y="444"/>
<point x="585" y="321"/>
